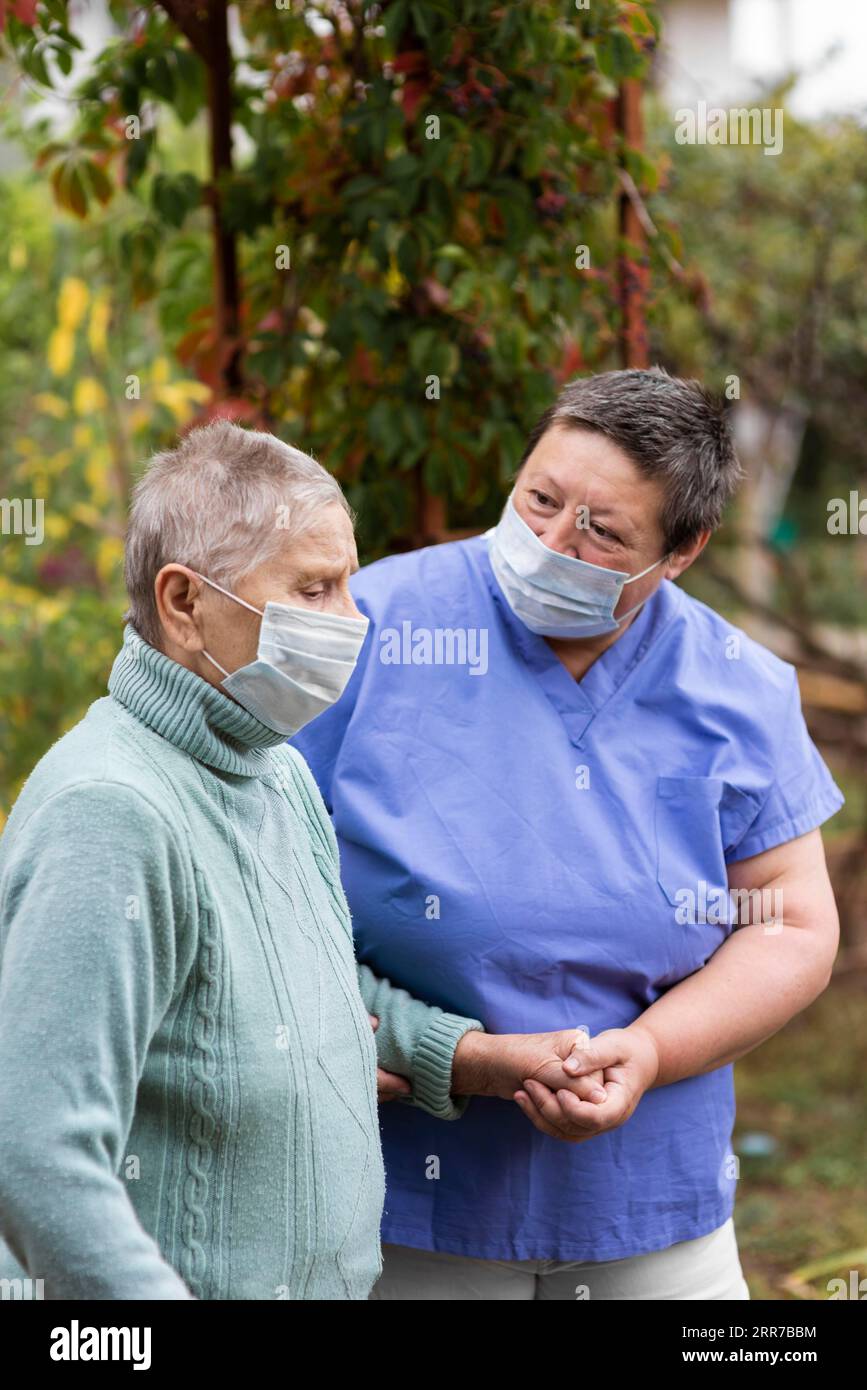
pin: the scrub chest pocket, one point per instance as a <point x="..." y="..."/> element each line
<point x="697" y="821"/>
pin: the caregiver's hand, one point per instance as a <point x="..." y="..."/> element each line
<point x="388" y="1084"/>
<point x="629" y="1061"/>
<point x="496" y="1064"/>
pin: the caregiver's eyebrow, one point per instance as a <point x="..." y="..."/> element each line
<point x="611" y="514"/>
<point x="544" y="481"/>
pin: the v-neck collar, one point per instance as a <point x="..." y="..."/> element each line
<point x="578" y="702"/>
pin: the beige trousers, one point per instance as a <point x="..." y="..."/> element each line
<point x="704" y="1269"/>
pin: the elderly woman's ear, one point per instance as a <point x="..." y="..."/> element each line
<point x="178" y="595"/>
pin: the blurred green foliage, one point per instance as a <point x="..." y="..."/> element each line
<point x="773" y="291"/>
<point x="805" y="1202"/>
<point x="409" y="188"/>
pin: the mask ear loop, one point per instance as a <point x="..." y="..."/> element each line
<point x="203" y="577"/>
<point x="640" y="575"/>
<point x="205" y="580"/>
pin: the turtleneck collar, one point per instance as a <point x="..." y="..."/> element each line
<point x="187" y="711"/>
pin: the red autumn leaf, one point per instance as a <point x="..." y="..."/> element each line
<point x="233" y="408"/>
<point x="571" y="363"/>
<point x="460" y="48"/>
<point x="190" y="344"/>
<point x="23" y="10"/>
<point x="414" y="60"/>
<point x="361" y="367"/>
<point x="412" y="97"/>
<point x="271" y="323"/>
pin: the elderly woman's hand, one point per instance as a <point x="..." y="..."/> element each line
<point x="629" y="1061"/>
<point x="497" y="1064"/>
<point x="388" y="1084"/>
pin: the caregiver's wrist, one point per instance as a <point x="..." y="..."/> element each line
<point x="650" y="1055"/>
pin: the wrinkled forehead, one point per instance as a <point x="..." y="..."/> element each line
<point x="324" y="550"/>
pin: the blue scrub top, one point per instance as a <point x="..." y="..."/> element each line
<point x="530" y="851"/>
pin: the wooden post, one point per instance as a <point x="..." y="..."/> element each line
<point x="632" y="269"/>
<point x="204" y="23"/>
<point x="430" y="512"/>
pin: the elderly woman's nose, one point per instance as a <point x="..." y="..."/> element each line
<point x="347" y="607"/>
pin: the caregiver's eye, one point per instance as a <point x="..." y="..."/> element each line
<point x="603" y="533"/>
<point x="542" y="498"/>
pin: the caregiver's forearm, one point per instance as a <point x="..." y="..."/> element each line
<point x="748" y="990"/>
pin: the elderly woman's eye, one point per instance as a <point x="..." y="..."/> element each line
<point x="543" y="499"/>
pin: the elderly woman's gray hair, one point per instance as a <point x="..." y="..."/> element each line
<point x="224" y="502"/>
<point x="671" y="427"/>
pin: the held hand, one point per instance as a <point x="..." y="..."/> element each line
<point x="629" y="1061"/>
<point x="388" y="1084"/>
<point x="497" y="1064"/>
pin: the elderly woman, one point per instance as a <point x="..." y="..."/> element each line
<point x="610" y="820"/>
<point x="187" y="1063"/>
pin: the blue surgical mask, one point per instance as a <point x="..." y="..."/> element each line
<point x="555" y="595"/>
<point x="304" y="661"/>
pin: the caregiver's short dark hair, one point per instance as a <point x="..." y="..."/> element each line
<point x="672" y="428"/>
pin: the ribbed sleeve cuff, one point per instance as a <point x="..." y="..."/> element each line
<point x="432" y="1066"/>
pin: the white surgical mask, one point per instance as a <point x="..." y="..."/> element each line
<point x="555" y="595"/>
<point x="303" y="664"/>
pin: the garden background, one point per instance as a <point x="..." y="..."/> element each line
<point x="296" y="215"/>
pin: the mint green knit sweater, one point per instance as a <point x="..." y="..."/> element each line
<point x="187" y="1068"/>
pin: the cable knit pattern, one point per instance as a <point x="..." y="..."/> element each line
<point x="204" y="1095"/>
<point x="187" y="1068"/>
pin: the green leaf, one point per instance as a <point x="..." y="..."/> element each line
<point x="395" y="19"/>
<point x="160" y="77"/>
<point x="100" y="183"/>
<point x="481" y="158"/>
<point x="408" y="256"/>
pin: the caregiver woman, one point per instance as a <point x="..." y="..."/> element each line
<point x="599" y="807"/>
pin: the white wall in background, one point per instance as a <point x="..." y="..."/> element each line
<point x="722" y="51"/>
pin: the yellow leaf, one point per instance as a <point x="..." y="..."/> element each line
<point x="109" y="557"/>
<point x="17" y="255"/>
<point x="56" y="527"/>
<point x="48" y="610"/>
<point x="180" y="396"/>
<point x="195" y="390"/>
<point x="97" y="330"/>
<point x="90" y="397"/>
<point x="160" y="370"/>
<point x="59" y="462"/>
<point x="51" y="404"/>
<point x="82" y="437"/>
<point x="95" y="475"/>
<point x="394" y="282"/>
<point x="72" y="302"/>
<point x="86" y="513"/>
<point x="61" y="347"/>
